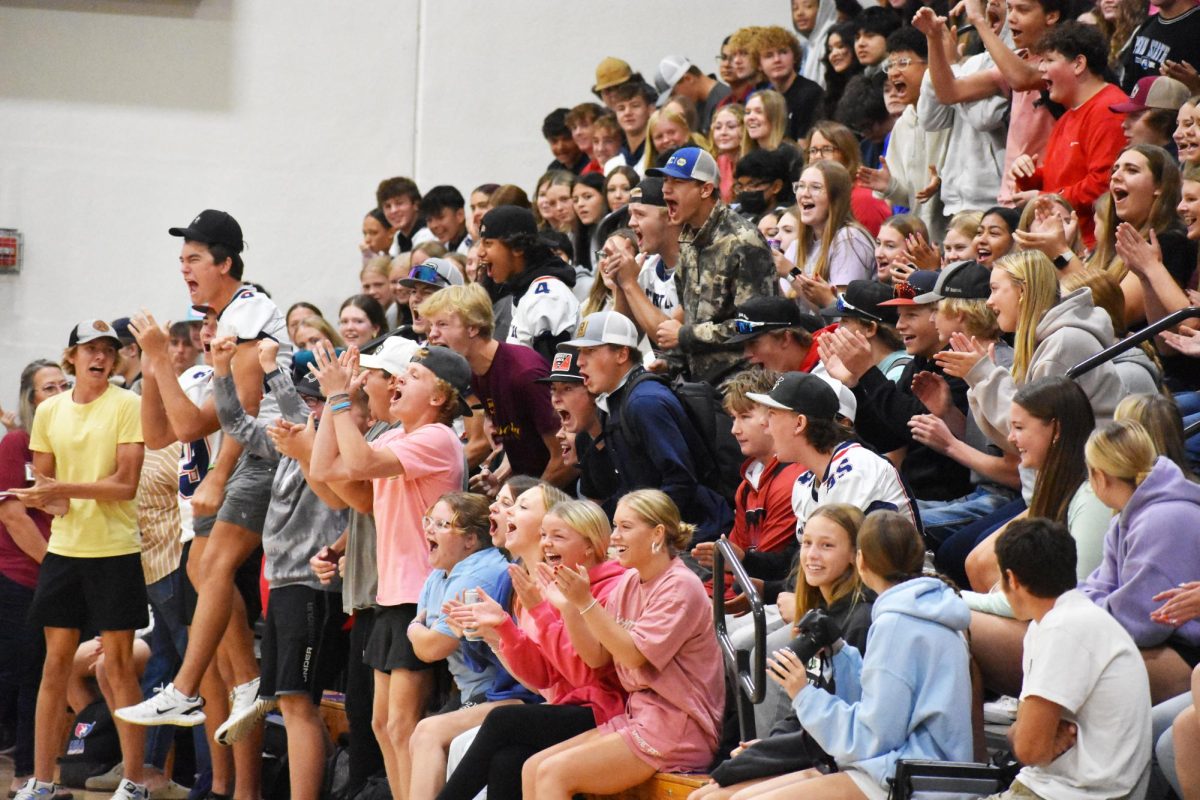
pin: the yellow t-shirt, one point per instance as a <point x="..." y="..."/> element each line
<point x="83" y="439"/>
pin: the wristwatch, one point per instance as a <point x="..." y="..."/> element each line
<point x="1063" y="260"/>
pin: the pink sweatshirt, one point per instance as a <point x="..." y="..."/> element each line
<point x="547" y="661"/>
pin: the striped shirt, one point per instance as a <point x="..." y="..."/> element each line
<point x="158" y="513"/>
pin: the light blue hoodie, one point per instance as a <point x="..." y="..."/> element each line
<point x="916" y="686"/>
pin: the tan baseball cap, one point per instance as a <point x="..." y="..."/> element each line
<point x="611" y="72"/>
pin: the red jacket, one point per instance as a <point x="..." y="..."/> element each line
<point x="764" y="525"/>
<point x="549" y="663"/>
<point x="1083" y="146"/>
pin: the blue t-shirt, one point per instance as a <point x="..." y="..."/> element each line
<point x="487" y="569"/>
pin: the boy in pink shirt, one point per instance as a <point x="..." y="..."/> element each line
<point x="409" y="468"/>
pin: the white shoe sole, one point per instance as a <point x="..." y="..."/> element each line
<point x="234" y="729"/>
<point x="188" y="720"/>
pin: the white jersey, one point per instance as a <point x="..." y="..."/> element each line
<point x="251" y="316"/>
<point x="196" y="458"/>
<point x="548" y="307"/>
<point x="658" y="283"/>
<point x="856" y="476"/>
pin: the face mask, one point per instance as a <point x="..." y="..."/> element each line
<point x="752" y="203"/>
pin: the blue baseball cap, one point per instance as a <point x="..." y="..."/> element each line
<point x="689" y="164"/>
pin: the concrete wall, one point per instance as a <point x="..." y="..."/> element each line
<point x="121" y="118"/>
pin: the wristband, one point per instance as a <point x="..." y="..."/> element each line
<point x="336" y="398"/>
<point x="338" y="408"/>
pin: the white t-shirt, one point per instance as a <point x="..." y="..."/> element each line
<point x="1081" y="658"/>
<point x="548" y="307"/>
<point x="196" y="457"/>
<point x="856" y="476"/>
<point x="659" y="284"/>
<point x="255" y="316"/>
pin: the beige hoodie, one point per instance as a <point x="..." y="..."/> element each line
<point x="1070" y="332"/>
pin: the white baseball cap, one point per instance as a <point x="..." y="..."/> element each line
<point x="605" y="327"/>
<point x="392" y="356"/>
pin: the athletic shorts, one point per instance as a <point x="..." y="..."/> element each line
<point x="389" y="647"/>
<point x="245" y="580"/>
<point x="303" y="644"/>
<point x="1190" y="653"/>
<point x="248" y="493"/>
<point x="101" y="594"/>
<point x="202" y="524"/>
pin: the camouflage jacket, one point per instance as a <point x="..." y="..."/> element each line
<point x="721" y="266"/>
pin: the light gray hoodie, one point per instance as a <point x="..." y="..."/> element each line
<point x="812" y="66"/>
<point x="1069" y="332"/>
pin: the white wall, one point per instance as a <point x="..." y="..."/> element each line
<point x="121" y="118"/>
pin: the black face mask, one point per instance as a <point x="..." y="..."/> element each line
<point x="753" y="203"/>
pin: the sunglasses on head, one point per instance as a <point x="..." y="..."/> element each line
<point x="845" y="305"/>
<point x="427" y="274"/>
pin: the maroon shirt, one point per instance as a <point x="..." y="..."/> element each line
<point x="519" y="408"/>
<point x="14" y="563"/>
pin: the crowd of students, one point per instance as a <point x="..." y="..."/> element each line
<point x="820" y="304"/>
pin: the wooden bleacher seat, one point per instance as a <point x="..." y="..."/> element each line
<point x="663" y="786"/>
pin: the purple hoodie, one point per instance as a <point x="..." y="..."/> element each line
<point x="1153" y="545"/>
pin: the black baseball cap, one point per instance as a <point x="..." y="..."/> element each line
<point x="800" y="393"/>
<point x="861" y="300"/>
<point x="213" y="227"/>
<point x="505" y="221"/>
<point x="648" y="192"/>
<point x="965" y="280"/>
<point x="450" y="367"/>
<point x="760" y="315"/>
<point x="307" y="385"/>
<point x="120" y="327"/>
<point x="564" y="368"/>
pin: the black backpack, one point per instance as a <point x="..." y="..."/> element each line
<point x="93" y="748"/>
<point x="719" y="467"/>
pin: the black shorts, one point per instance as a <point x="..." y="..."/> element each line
<point x="389" y="647"/>
<point x="245" y="580"/>
<point x="303" y="645"/>
<point x="248" y="493"/>
<point x="1190" y="653"/>
<point x="101" y="594"/>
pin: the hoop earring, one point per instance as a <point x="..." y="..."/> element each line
<point x="656" y="547"/>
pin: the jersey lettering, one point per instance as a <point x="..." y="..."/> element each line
<point x="542" y="288"/>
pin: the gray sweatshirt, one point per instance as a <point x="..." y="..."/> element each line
<point x="298" y="522"/>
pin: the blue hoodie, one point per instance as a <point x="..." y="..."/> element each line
<point x="916" y="686"/>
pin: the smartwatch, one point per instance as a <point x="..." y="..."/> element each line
<point x="1063" y="260"/>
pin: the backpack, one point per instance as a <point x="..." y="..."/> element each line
<point x="93" y="748"/>
<point x="719" y="467"/>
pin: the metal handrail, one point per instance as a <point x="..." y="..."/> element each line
<point x="1132" y="341"/>
<point x="749" y="670"/>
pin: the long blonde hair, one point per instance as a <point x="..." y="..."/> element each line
<point x="1035" y="274"/>
<point x="775" y="107"/>
<point x="655" y="508"/>
<point x="849" y="518"/>
<point x="694" y="139"/>
<point x="837" y="187"/>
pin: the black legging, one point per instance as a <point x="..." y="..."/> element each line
<point x="508" y="737"/>
<point x="365" y="757"/>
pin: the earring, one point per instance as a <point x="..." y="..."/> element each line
<point x="656" y="547"/>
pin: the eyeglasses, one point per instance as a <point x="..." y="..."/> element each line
<point x="903" y="62"/>
<point x="812" y="188"/>
<point x="824" y="151"/>
<point x="845" y="305"/>
<point x="436" y="525"/>
<point x="598" y="256"/>
<point x="427" y="274"/>
<point x="724" y="57"/>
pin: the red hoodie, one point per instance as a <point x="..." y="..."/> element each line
<point x="549" y="663"/>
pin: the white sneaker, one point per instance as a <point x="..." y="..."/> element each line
<point x="168" y="706"/>
<point x="1001" y="711"/>
<point x="246" y="709"/>
<point x="35" y="790"/>
<point x="128" y="790"/>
